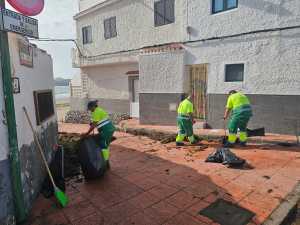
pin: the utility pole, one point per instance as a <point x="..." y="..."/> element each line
<point x="14" y="156"/>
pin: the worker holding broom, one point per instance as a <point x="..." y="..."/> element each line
<point x="185" y="122"/>
<point x="239" y="108"/>
<point x="106" y="129"/>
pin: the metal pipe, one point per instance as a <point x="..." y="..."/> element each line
<point x="14" y="155"/>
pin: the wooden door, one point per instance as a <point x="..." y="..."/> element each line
<point x="198" y="84"/>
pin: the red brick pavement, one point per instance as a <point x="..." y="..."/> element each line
<point x="154" y="184"/>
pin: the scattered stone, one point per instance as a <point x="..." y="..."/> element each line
<point x="267" y="177"/>
<point x="78" y="117"/>
<point x="118" y="117"/>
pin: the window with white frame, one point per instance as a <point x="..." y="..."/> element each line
<point x="110" y="28"/>
<point x="87" y="35"/>
<point x="223" y="5"/>
<point x="234" y="72"/>
<point x="164" y="12"/>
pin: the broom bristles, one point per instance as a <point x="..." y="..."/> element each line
<point x="61" y="197"/>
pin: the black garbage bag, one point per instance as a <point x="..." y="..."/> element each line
<point x="91" y="158"/>
<point x="229" y="158"/>
<point x="215" y="157"/>
<point x="226" y="157"/>
<point x="57" y="173"/>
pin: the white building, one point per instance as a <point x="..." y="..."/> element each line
<point x="32" y="70"/>
<point x="143" y="55"/>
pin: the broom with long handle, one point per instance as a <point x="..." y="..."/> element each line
<point x="60" y="195"/>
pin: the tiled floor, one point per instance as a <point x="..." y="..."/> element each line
<point x="154" y="184"/>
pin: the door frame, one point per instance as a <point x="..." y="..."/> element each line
<point x="134" y="105"/>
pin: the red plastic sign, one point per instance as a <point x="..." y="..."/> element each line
<point x="28" y="7"/>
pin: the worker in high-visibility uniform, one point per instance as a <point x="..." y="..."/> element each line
<point x="238" y="105"/>
<point x="185" y="122"/>
<point x="106" y="129"/>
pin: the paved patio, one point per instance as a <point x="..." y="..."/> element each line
<point x="154" y="184"/>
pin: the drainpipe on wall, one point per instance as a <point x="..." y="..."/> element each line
<point x="14" y="157"/>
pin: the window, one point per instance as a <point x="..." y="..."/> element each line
<point x="164" y="12"/>
<point x="87" y="35"/>
<point x="44" y="108"/>
<point x="223" y="5"/>
<point x="110" y="28"/>
<point x="234" y="73"/>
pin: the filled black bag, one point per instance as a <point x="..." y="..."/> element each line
<point x="229" y="158"/>
<point x="91" y="158"/>
<point x="215" y="157"/>
<point x="226" y="157"/>
<point x="57" y="173"/>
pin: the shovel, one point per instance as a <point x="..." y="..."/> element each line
<point x="60" y="195"/>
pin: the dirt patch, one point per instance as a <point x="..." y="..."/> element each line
<point x="70" y="142"/>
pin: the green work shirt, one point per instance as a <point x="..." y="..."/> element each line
<point x="237" y="100"/>
<point x="98" y="115"/>
<point x="185" y="107"/>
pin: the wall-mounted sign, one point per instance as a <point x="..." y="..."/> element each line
<point x="18" y="23"/>
<point x="16" y="85"/>
<point x="25" y="53"/>
<point x="28" y="7"/>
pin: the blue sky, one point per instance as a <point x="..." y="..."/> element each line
<point x="56" y="21"/>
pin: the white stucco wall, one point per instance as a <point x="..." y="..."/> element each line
<point x="40" y="77"/>
<point x="109" y="82"/>
<point x="250" y="15"/>
<point x="135" y="27"/>
<point x="272" y="62"/>
<point x="162" y="72"/>
<point x="4" y="148"/>
<point x="85" y="4"/>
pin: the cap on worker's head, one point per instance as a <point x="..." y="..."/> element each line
<point x="92" y="104"/>
<point x="232" y="92"/>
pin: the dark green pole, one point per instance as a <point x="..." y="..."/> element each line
<point x="19" y="205"/>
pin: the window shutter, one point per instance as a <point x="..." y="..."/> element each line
<point x="159" y="13"/>
<point x="106" y="29"/>
<point x="89" y="34"/>
<point x="169" y="11"/>
<point x="113" y="28"/>
<point x="83" y="35"/>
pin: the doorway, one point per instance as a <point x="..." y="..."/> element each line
<point x="135" y="93"/>
<point x="198" y="87"/>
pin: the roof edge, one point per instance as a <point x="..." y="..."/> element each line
<point x="95" y="8"/>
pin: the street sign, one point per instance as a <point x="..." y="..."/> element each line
<point x="18" y="23"/>
<point x="28" y="7"/>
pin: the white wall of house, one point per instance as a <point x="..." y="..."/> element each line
<point x="109" y="82"/>
<point x="135" y="26"/>
<point x="272" y="62"/>
<point x="40" y="77"/>
<point x="85" y="4"/>
<point x="3" y="128"/>
<point x="162" y="72"/>
<point x="249" y="16"/>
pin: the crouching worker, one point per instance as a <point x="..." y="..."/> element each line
<point x="185" y="122"/>
<point x="238" y="105"/>
<point x="106" y="129"/>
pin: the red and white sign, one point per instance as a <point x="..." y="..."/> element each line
<point x="28" y="7"/>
